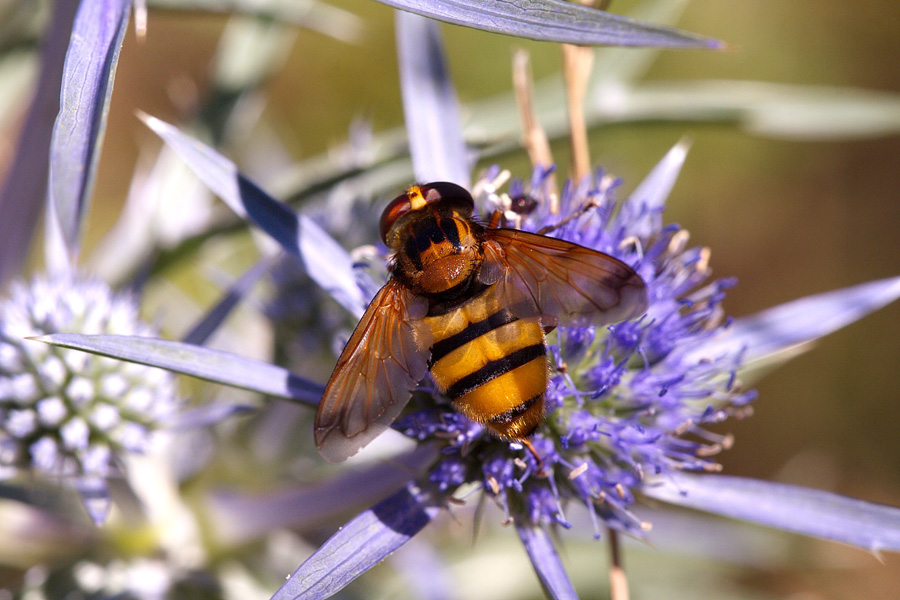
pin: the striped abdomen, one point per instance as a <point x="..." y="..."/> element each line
<point x="490" y="363"/>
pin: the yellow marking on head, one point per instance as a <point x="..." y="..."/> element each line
<point x="416" y="198"/>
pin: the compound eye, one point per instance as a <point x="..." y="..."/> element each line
<point x="449" y="195"/>
<point x="440" y="194"/>
<point x="398" y="207"/>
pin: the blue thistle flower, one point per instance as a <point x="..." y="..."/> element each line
<point x="69" y="415"/>
<point x="621" y="398"/>
<point x="628" y="407"/>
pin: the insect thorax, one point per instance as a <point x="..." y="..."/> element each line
<point x="438" y="255"/>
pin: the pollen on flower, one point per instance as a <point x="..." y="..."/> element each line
<point x="583" y="467"/>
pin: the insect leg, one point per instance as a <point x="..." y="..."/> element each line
<point x="537" y="457"/>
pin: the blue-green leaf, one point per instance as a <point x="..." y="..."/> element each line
<point x="429" y="103"/>
<point x="546" y="562"/>
<point x="553" y="21"/>
<point x="648" y="199"/>
<point x="800" y="510"/>
<point x="24" y="192"/>
<point x="88" y="74"/>
<point x="799" y="321"/>
<point x="325" y="260"/>
<point x="361" y="544"/>
<point x="622" y="66"/>
<point x="212" y="365"/>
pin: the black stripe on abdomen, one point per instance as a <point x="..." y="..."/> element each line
<point x="515" y="412"/>
<point x="442" y="303"/>
<point x="494" y="369"/>
<point x="447" y="345"/>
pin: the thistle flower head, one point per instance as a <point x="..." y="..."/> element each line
<point x="65" y="413"/>
<point x="624" y="400"/>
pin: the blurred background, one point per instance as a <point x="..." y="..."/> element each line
<point x="787" y="217"/>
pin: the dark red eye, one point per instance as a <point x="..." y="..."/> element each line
<point x="450" y="194"/>
<point x="398" y="207"/>
<point x="443" y="195"/>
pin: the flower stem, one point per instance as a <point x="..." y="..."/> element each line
<point x="533" y="135"/>
<point x="577" y="61"/>
<point x="618" y="582"/>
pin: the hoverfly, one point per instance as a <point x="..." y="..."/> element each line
<point x="469" y="303"/>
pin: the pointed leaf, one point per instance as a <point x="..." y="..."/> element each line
<point x="800" y="510"/>
<point x="643" y="209"/>
<point x="617" y="65"/>
<point x="24" y="192"/>
<point x="799" y="322"/>
<point x="196" y="361"/>
<point x="59" y="260"/>
<point x="546" y="562"/>
<point x="329" y="265"/>
<point x="361" y="544"/>
<point x="553" y="21"/>
<point x="87" y="84"/>
<point x="326" y="262"/>
<point x="429" y="103"/>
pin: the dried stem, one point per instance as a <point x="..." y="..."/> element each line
<point x="140" y="20"/>
<point x="533" y="135"/>
<point x="618" y="583"/>
<point x="577" y="62"/>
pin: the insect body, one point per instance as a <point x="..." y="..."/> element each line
<point x="469" y="303"/>
<point x="491" y="363"/>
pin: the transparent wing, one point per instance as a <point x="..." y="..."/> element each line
<point x="562" y="282"/>
<point x="382" y="362"/>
